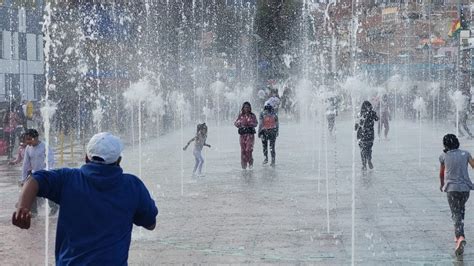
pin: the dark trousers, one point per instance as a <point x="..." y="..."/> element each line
<point x="331" y="121"/>
<point x="269" y="137"/>
<point x="366" y="151"/>
<point x="457" y="201"/>
<point x="246" y="149"/>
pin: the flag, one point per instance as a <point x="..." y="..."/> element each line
<point x="455" y="28"/>
<point x="459" y="24"/>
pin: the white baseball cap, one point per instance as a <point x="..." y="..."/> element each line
<point x="106" y="146"/>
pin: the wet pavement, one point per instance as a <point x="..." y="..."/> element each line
<point x="280" y="215"/>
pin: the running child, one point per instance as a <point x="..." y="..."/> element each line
<point x="199" y="143"/>
<point x="454" y="180"/>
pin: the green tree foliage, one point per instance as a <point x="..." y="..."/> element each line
<point x="276" y="21"/>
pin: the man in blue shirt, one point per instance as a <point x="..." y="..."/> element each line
<point x="99" y="205"/>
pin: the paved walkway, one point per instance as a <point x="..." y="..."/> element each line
<point x="280" y="215"/>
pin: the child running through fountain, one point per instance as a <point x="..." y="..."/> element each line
<point x="199" y="143"/>
<point x="454" y="179"/>
<point x="365" y="133"/>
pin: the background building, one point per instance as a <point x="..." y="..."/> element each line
<point x="21" y="50"/>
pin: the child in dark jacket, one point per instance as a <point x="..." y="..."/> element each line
<point x="365" y="133"/>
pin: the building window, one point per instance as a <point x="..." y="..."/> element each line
<point x="31" y="47"/>
<point x="14" y="45"/>
<point x="22" y="46"/>
<point x="38" y="85"/>
<point x="12" y="87"/>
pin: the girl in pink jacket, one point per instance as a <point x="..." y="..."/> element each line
<point x="246" y="123"/>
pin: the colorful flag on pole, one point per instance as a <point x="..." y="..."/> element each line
<point x="455" y="28"/>
<point x="459" y="24"/>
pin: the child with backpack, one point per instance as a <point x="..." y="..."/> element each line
<point x="199" y="143"/>
<point x="454" y="180"/>
<point x="268" y="131"/>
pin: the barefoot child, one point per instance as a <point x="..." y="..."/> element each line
<point x="199" y="143"/>
<point x="454" y="179"/>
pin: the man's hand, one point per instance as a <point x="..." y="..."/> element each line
<point x="22" y="218"/>
<point x="441" y="187"/>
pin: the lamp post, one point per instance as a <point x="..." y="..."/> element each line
<point x="464" y="64"/>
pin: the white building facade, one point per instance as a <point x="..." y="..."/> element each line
<point x="21" y="54"/>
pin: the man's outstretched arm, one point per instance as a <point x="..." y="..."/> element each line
<point x="22" y="216"/>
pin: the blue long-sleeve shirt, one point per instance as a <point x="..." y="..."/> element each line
<point x="35" y="159"/>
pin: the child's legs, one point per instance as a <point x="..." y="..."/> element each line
<point x="200" y="162"/>
<point x="272" y="146"/>
<point x="457" y="201"/>
<point x="362" y="152"/>
<point x="366" y="150"/>
<point x="243" y="153"/>
<point x="249" y="142"/>
<point x="197" y="156"/>
<point x="265" y="146"/>
<point x="369" y="145"/>
<point x="331" y="120"/>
